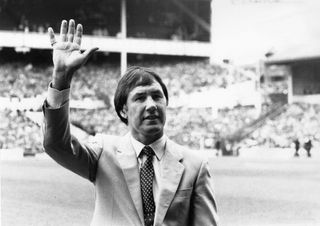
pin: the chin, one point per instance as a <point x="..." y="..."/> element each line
<point x="152" y="130"/>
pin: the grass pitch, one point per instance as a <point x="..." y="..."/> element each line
<point x="249" y="192"/>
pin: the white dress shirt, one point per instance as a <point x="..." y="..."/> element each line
<point x="56" y="98"/>
<point x="158" y="147"/>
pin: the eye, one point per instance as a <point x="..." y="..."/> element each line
<point x="139" y="98"/>
<point x="157" y="96"/>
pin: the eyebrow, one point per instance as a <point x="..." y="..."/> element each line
<point x="145" y="92"/>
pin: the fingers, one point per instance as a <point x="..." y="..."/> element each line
<point x="63" y="31"/>
<point x="71" y="30"/>
<point x="70" y="33"/>
<point x="51" y="36"/>
<point x="88" y="53"/>
<point x="78" y="36"/>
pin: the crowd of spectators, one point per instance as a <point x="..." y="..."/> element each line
<point x="18" y="131"/>
<point x="19" y="80"/>
<point x="201" y="127"/>
<point x="184" y="125"/>
<point x="98" y="82"/>
<point x="298" y="121"/>
<point x="96" y="121"/>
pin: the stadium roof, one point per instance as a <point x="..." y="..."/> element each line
<point x="295" y="54"/>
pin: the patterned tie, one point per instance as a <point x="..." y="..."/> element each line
<point x="146" y="180"/>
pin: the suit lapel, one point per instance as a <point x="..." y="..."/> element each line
<point x="129" y="164"/>
<point x="171" y="170"/>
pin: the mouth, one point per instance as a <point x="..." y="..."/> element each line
<point x="151" y="117"/>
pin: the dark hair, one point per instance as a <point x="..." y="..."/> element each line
<point x="133" y="77"/>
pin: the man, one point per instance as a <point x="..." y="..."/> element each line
<point x="307" y="146"/>
<point x="143" y="178"/>
<point x="296" y="147"/>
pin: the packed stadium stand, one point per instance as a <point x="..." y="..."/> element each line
<point x="18" y="131"/>
<point x="257" y="114"/>
<point x="201" y="127"/>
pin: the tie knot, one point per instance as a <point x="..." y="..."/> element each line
<point x="148" y="151"/>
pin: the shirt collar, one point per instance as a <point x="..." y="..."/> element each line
<point x="158" y="146"/>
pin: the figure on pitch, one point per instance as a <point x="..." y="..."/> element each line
<point x="142" y="178"/>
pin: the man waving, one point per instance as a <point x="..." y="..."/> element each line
<point x="142" y="178"/>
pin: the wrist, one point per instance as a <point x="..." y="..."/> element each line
<point x="61" y="79"/>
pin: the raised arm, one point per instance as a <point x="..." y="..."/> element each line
<point x="58" y="142"/>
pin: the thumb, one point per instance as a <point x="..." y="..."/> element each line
<point x="88" y="53"/>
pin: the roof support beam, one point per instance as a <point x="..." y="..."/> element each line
<point x="194" y="16"/>
<point x="123" y="64"/>
<point x="212" y="59"/>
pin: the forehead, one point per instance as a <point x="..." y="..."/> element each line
<point x="153" y="87"/>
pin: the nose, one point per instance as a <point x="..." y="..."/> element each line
<point x="150" y="104"/>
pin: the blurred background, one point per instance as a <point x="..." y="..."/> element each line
<point x="244" y="85"/>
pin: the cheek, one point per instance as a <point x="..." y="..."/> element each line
<point x="163" y="112"/>
<point x="135" y="113"/>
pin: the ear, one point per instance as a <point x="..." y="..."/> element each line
<point x="124" y="111"/>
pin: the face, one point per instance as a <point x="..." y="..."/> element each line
<point x="146" y="112"/>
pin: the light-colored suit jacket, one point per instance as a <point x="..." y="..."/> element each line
<point x="186" y="192"/>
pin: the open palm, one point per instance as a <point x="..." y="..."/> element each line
<point x="67" y="56"/>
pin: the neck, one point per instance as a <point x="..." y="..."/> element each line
<point x="146" y="140"/>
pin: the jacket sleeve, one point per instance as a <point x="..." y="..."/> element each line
<point x="64" y="148"/>
<point x="203" y="204"/>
